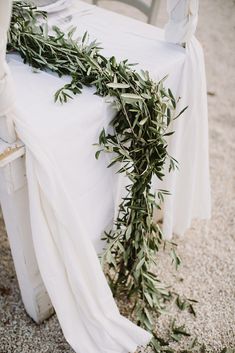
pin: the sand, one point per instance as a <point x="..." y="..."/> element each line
<point x="208" y="248"/>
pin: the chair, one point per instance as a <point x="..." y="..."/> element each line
<point x="13" y="182"/>
<point x="150" y="11"/>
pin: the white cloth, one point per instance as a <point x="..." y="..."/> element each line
<point x="190" y="185"/>
<point x="72" y="196"/>
<point x="71" y="202"/>
<point x="183" y="17"/>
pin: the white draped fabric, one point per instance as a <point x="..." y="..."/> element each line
<point x="191" y="146"/>
<point x="183" y="16"/>
<point x="73" y="197"/>
<point x="71" y="203"/>
<point x="190" y="185"/>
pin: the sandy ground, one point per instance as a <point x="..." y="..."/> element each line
<point x="208" y="250"/>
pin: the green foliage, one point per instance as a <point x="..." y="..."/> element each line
<point x="186" y="304"/>
<point x="178" y="332"/>
<point x="137" y="143"/>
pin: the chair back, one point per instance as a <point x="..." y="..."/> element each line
<point x="182" y="23"/>
<point x="150" y="11"/>
<point x="183" y="17"/>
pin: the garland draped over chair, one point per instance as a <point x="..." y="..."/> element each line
<point x="180" y="30"/>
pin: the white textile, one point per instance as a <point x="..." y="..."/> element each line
<point x="183" y="17"/>
<point x="71" y="202"/>
<point x="72" y="196"/>
<point x="190" y="185"/>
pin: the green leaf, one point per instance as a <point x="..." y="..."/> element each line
<point x="118" y="85"/>
<point x="176" y="337"/>
<point x="172" y="98"/>
<point x="148" y="315"/>
<point x="149" y="299"/>
<point x="131" y="97"/>
<point x="175" y="259"/>
<point x="143" y="121"/>
<point x="71" y="32"/>
<point x="128" y="231"/>
<point x="169" y="133"/>
<point x="146" y="96"/>
<point x="97" y="154"/>
<point x="191" y="310"/>
<point x="84" y="37"/>
<point x="182" y="111"/>
<point x="140" y="264"/>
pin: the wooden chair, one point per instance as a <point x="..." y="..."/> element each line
<point x="150" y="11"/>
<point x="13" y="186"/>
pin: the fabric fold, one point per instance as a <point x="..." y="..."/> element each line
<point x="183" y="17"/>
<point x="72" y="196"/>
<point x="72" y="273"/>
<point x="64" y="247"/>
<point x="190" y="187"/>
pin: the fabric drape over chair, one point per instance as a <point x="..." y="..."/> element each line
<point x="64" y="179"/>
<point x="183" y="17"/>
<point x="190" y="189"/>
<point x="69" y="208"/>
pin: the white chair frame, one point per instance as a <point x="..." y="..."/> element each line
<point x="150" y="11"/>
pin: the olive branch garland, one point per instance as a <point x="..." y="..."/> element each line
<point x="138" y="144"/>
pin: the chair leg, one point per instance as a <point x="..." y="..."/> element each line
<point x="15" y="208"/>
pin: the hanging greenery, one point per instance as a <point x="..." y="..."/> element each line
<point x="138" y="145"/>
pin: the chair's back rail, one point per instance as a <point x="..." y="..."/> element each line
<point x="149" y="10"/>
